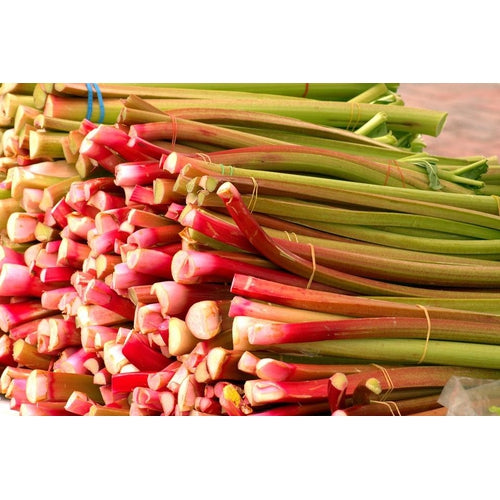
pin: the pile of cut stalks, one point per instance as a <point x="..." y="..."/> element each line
<point x="239" y="250"/>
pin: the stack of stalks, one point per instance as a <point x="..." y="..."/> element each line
<point x="234" y="250"/>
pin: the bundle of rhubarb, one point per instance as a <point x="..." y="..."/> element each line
<point x="240" y="250"/>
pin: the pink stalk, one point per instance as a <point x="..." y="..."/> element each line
<point x="148" y="148"/>
<point x="50" y="299"/>
<point x="80" y="192"/>
<point x="117" y="140"/>
<point x="260" y="392"/>
<point x="174" y="211"/>
<point x="114" y="359"/>
<point x="111" y="219"/>
<point x="207" y="405"/>
<point x="411" y="377"/>
<point x="12" y="315"/>
<point x="45" y="259"/>
<point x="192" y="267"/>
<point x="197" y="354"/>
<point x="10" y="373"/>
<point x="241" y="326"/>
<point x="31" y="253"/>
<point x="127" y="382"/>
<point x="152" y="236"/>
<point x="75" y="362"/>
<point x="61" y="332"/>
<point x="141" y="294"/>
<point x="78" y="403"/>
<point x="70" y="304"/>
<point x="168" y="402"/>
<point x="139" y="173"/>
<point x="176" y="298"/>
<point x="31" y="200"/>
<point x="241" y="306"/>
<point x="100" y="155"/>
<point x="177" y="378"/>
<point x="105" y="264"/>
<point x="123" y="277"/>
<point x="189" y="391"/>
<point x="16" y="280"/>
<point x="104" y="243"/>
<point x="151" y="131"/>
<point x="337" y="391"/>
<point x="180" y="339"/>
<point x="60" y="211"/>
<point x="142" y="355"/>
<point x="80" y="224"/>
<point x="93" y="338"/>
<point x="6" y="350"/>
<point x="22" y="330"/>
<point x="59" y="275"/>
<point x="97" y="292"/>
<point x="207" y="318"/>
<point x="144" y="397"/>
<point x="102" y="377"/>
<point x="248" y="363"/>
<point x="144" y="218"/>
<point x="10" y="256"/>
<point x="72" y="253"/>
<point x="43" y="409"/>
<point x="93" y="365"/>
<point x="139" y="196"/>
<point x="214" y="227"/>
<point x="17" y="391"/>
<point x="222" y="364"/>
<point x="93" y="314"/>
<point x="57" y="386"/>
<point x="148" y="318"/>
<point x="150" y="261"/>
<point x="276" y="370"/>
<point x="381" y="327"/>
<point x="159" y="380"/>
<point x="102" y="200"/>
<point x="334" y="303"/>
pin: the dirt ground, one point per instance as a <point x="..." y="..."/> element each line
<point x="473" y="123"/>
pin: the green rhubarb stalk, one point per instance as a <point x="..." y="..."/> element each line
<point x="304" y="267"/>
<point x="46" y="144"/>
<point x="372" y="93"/>
<point x="309" y="211"/>
<point x="380" y="196"/>
<point x="489" y="248"/>
<point x="445" y="274"/>
<point x="322" y="162"/>
<point x="327" y="91"/>
<point x="56" y="124"/>
<point x="268" y="124"/>
<point x="483" y="305"/>
<point x="376" y="327"/>
<point x="331" y="113"/>
<point x="372" y="124"/>
<point x="408" y="351"/>
<point x="150" y="92"/>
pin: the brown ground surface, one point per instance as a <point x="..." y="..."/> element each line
<point x="473" y="123"/>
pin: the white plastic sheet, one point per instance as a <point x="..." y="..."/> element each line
<point x="464" y="396"/>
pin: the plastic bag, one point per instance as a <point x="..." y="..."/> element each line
<point x="464" y="396"/>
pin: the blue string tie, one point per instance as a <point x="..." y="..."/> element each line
<point x="90" y="101"/>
